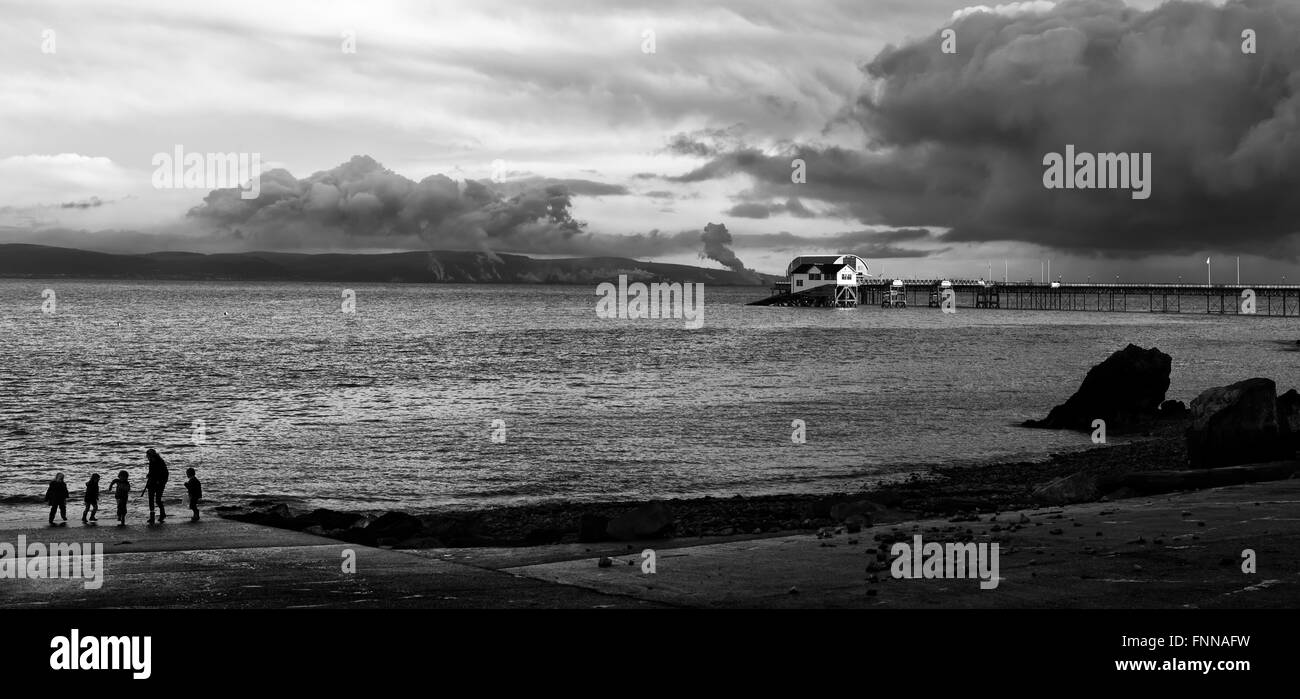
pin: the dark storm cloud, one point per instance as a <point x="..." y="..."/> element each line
<point x="881" y="251"/>
<point x="871" y="244"/>
<point x="706" y="142"/>
<point x="958" y="140"/>
<point x="754" y="209"/>
<point x="751" y="209"/>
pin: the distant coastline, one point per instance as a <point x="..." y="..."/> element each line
<point x="25" y="261"/>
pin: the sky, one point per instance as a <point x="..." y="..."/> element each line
<point x="666" y="130"/>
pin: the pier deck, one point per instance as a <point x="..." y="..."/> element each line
<point x="1279" y="300"/>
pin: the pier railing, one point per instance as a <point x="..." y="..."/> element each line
<point x="1279" y="300"/>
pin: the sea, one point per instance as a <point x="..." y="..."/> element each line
<point x="450" y="396"/>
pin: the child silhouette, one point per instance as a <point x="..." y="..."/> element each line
<point x="195" y="489"/>
<point x="121" y="489"/>
<point x="92" y="498"/>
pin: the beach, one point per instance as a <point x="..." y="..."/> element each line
<point x="1178" y="549"/>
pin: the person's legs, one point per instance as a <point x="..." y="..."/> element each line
<point x="194" y="507"/>
<point x="153" y="502"/>
<point x="53" y="508"/>
<point x="162" y="511"/>
<point x="94" y="510"/>
<point x="63" y="511"/>
<point x="121" y="512"/>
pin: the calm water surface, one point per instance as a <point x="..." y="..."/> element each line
<point x="393" y="406"/>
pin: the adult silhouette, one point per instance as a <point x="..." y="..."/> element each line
<point x="154" y="481"/>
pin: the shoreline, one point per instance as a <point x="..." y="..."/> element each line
<point x="1181" y="550"/>
<point x="957" y="492"/>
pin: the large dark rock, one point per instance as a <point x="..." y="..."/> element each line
<point x="648" y="521"/>
<point x="1235" y="424"/>
<point x="1288" y="420"/>
<point x="1173" y="409"/>
<point x="1125" y="390"/>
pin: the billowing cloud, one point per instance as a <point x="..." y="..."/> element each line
<point x="958" y="141"/>
<point x="363" y="203"/>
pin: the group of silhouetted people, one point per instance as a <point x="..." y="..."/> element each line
<point x="120" y="488"/>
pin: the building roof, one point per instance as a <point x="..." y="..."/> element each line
<point x="803" y="263"/>
<point x="831" y="268"/>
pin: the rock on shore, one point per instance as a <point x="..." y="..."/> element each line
<point x="1288" y="420"/>
<point x="1126" y="390"/>
<point x="1239" y="424"/>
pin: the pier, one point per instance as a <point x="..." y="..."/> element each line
<point x="1280" y="300"/>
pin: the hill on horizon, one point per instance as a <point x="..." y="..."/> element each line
<point x="21" y="260"/>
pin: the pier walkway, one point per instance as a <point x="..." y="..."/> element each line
<point x="1278" y="300"/>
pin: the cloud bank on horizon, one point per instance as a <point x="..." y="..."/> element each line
<point x="362" y="203"/>
<point x="911" y="152"/>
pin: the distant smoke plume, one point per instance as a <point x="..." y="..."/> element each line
<point x="717" y="246"/>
